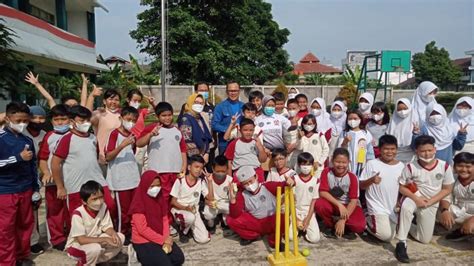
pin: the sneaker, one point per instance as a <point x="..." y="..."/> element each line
<point x="328" y="233"/>
<point x="60" y="246"/>
<point x="349" y="235"/>
<point x="183" y="238"/>
<point x="456" y="235"/>
<point x="25" y="262"/>
<point x="401" y="253"/>
<point x="245" y="242"/>
<point x="212" y="230"/>
<point x="173" y="231"/>
<point x="37" y="249"/>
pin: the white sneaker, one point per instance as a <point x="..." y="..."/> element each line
<point x="173" y="231"/>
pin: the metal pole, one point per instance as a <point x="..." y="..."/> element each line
<point x="163" y="51"/>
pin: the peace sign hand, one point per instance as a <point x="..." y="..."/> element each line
<point x="234" y="118"/>
<point x="463" y="129"/>
<point x="207" y="175"/>
<point x="416" y="128"/>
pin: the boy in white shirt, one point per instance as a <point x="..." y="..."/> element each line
<point x="92" y="238"/>
<point x="249" y="111"/>
<point x="220" y="205"/>
<point x="457" y="210"/>
<point x="185" y="196"/>
<point x="280" y="172"/>
<point x="423" y="183"/>
<point x="379" y="179"/>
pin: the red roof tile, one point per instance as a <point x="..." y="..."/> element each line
<point x="307" y="68"/>
<point x="309" y="58"/>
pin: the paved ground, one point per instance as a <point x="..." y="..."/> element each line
<point x="227" y="251"/>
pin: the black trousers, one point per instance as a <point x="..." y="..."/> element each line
<point x="153" y="254"/>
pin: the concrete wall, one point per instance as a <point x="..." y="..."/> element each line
<point x="77" y="23"/>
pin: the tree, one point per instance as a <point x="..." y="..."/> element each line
<point x="435" y="65"/>
<point x="215" y="41"/>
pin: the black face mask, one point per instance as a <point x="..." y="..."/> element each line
<point x="36" y="126"/>
<point x="336" y="192"/>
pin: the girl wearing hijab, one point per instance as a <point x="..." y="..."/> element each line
<point x="150" y="225"/>
<point x="462" y="114"/>
<point x="378" y="124"/>
<point x="438" y="126"/>
<point x="366" y="100"/>
<point x="292" y="93"/>
<point x="401" y="126"/>
<point x="424" y="95"/>
<point x="194" y="128"/>
<point x="323" y="120"/>
<point x="338" y="121"/>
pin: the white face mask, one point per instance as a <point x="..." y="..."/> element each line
<point x="197" y="108"/>
<point x="113" y="110"/>
<point x="316" y="112"/>
<point x="429" y="160"/>
<point x="428" y="98"/>
<point x="292" y="113"/>
<point x="308" y="127"/>
<point x="252" y="187"/>
<point x="364" y="106"/>
<point x="463" y="112"/>
<point x="336" y="114"/>
<point x="436" y="119"/>
<point x="84" y="127"/>
<point x="18" y="128"/>
<point x="96" y="204"/>
<point x="153" y="191"/>
<point x="291" y="95"/>
<point x="128" y="125"/>
<point x="403" y="113"/>
<point x="135" y="105"/>
<point x="378" y="117"/>
<point x="306" y="169"/>
<point x="354" y="123"/>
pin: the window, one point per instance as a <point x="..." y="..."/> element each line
<point x="43" y="15"/>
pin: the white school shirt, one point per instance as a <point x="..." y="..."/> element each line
<point x="221" y="191"/>
<point x="305" y="192"/>
<point x="316" y="145"/>
<point x="428" y="181"/>
<point x="80" y="163"/>
<point x="382" y="198"/>
<point x="257" y="133"/>
<point x="273" y="127"/>
<point x="36" y="139"/>
<point x="275" y="176"/>
<point x="122" y="172"/>
<point x="464" y="197"/>
<point x="48" y="145"/>
<point x="188" y="195"/>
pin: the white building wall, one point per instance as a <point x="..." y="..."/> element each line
<point x="47" y="5"/>
<point x="77" y="23"/>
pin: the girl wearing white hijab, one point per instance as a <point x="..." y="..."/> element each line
<point x="323" y="119"/>
<point x="401" y="126"/>
<point x="338" y="121"/>
<point x="462" y="116"/>
<point x="366" y="100"/>
<point x="424" y="95"/>
<point x="439" y="127"/>
<point x="292" y="93"/>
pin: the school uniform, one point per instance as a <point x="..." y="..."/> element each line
<point x="18" y="181"/>
<point x="90" y="224"/>
<point x="456" y="120"/>
<point x="317" y="146"/>
<point x="244" y="153"/>
<point x="401" y="127"/>
<point x="429" y="183"/>
<point x="323" y="120"/>
<point x="462" y="206"/>
<point x="338" y="125"/>
<point x="189" y="195"/>
<point x="221" y="196"/>
<point x="275" y="176"/>
<point x="123" y="177"/>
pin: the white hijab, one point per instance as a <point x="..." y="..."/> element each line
<point x="323" y="120"/>
<point x="370" y="98"/>
<point x="293" y="95"/>
<point x="339" y="124"/>
<point x="443" y="133"/>
<point x="401" y="128"/>
<point x="419" y="104"/>
<point x="455" y="120"/>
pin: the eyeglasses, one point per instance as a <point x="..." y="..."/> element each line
<point x="233" y="91"/>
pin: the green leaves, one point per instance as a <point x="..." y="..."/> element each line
<point x="216" y="41"/>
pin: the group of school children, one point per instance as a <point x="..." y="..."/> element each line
<point x="110" y="180"/>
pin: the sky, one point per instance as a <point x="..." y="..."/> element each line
<point x="328" y="28"/>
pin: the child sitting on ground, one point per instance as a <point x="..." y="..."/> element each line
<point x="279" y="172"/>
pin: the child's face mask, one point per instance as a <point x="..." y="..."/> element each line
<point x="153" y="191"/>
<point x="353" y="123"/>
<point x="252" y="187"/>
<point x="306" y="169"/>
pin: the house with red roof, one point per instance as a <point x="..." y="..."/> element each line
<point x="310" y="64"/>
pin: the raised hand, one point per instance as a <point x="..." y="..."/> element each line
<point x="234" y="118"/>
<point x="84" y="78"/>
<point x="463" y="129"/>
<point x="96" y="91"/>
<point x="128" y="141"/>
<point x="30" y="78"/>
<point x="416" y="128"/>
<point x="207" y="175"/>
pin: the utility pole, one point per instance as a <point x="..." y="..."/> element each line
<point x="163" y="51"/>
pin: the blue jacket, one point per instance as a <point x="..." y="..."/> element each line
<point x="221" y="120"/>
<point x="16" y="175"/>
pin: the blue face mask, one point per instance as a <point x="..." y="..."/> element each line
<point x="62" y="129"/>
<point x="204" y="94"/>
<point x="269" y="110"/>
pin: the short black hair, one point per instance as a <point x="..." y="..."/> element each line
<point x="132" y="92"/>
<point x="279" y="96"/>
<point x="163" y="107"/>
<point x="279" y="151"/>
<point x="255" y="94"/>
<point x="301" y="95"/>
<point x="89" y="188"/>
<point x="128" y="110"/>
<point x="66" y="98"/>
<point x="305" y="120"/>
<point x="249" y="107"/>
<point x="245" y="121"/>
<point x="424" y="140"/>
<point x="305" y="158"/>
<point x="220" y="160"/>
<point x="290" y="101"/>
<point x="17" y="107"/>
<point x="196" y="159"/>
<point x="341" y="151"/>
<point x="381" y="107"/>
<point x="196" y="85"/>
<point x="464" y="157"/>
<point x="59" y="110"/>
<point x="110" y="93"/>
<point x="231" y="82"/>
<point x="388" y="140"/>
<point x="79" y="111"/>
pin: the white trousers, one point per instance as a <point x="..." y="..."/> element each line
<point x="381" y="227"/>
<point x="188" y="220"/>
<point x="312" y="233"/>
<point x="425" y="221"/>
<point x="210" y="214"/>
